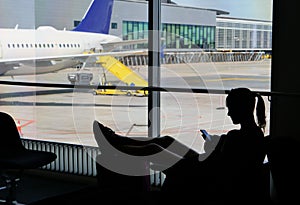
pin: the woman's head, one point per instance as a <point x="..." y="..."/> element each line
<point x="241" y="103"/>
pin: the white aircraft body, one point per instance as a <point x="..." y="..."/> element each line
<point x="45" y="49"/>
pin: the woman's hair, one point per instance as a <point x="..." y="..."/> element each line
<point x="245" y="99"/>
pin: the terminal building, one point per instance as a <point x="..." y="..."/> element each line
<point x="243" y="34"/>
<point x="195" y="28"/>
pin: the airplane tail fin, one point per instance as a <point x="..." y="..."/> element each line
<point x="97" y="18"/>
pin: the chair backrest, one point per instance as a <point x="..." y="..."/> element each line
<point x="10" y="137"/>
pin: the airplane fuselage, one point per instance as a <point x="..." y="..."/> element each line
<point x="46" y="42"/>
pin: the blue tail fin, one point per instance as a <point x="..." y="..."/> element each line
<point x="97" y="19"/>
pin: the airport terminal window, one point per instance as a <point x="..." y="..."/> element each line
<point x="114" y="25"/>
<point x="64" y="114"/>
<point x="257" y="35"/>
<point x="194" y="36"/>
<point x="76" y="23"/>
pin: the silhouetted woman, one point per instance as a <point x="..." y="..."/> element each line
<point x="229" y="170"/>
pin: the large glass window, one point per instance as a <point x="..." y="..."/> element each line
<point x="193" y="36"/>
<point x="211" y="53"/>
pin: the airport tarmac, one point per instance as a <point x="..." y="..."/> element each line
<point x="66" y="115"/>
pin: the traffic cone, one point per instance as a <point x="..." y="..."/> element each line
<point x="19" y="127"/>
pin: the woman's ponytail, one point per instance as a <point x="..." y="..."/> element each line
<point x="260" y="112"/>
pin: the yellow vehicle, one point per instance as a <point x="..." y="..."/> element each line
<point x="117" y="92"/>
<point x="124" y="74"/>
<point x="139" y="93"/>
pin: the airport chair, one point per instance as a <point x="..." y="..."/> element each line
<point x="110" y="180"/>
<point x="15" y="158"/>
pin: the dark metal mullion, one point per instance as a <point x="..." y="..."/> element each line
<point x="154" y="18"/>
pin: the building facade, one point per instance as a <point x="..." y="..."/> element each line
<point x="193" y="28"/>
<point x="243" y="34"/>
<point x="182" y="27"/>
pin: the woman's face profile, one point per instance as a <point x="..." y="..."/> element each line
<point x="234" y="114"/>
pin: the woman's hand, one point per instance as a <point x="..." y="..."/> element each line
<point x="209" y="146"/>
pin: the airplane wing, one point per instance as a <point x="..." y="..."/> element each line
<point x="83" y="56"/>
<point x="14" y="64"/>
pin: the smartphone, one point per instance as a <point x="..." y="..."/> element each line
<point x="205" y="134"/>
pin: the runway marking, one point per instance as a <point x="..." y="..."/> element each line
<point x="237" y="79"/>
<point x="26" y="123"/>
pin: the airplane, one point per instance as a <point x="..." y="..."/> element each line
<point x="46" y="49"/>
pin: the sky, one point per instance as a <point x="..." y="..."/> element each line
<point x="250" y="9"/>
